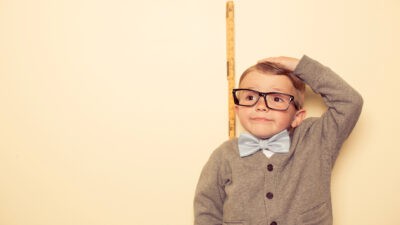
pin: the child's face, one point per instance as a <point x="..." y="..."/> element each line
<point x="261" y="121"/>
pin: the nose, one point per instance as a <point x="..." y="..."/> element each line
<point x="261" y="104"/>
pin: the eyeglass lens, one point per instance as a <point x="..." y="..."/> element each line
<point x="277" y="101"/>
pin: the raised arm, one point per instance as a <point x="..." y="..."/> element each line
<point x="343" y="102"/>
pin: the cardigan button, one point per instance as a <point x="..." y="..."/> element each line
<point x="270" y="167"/>
<point x="270" y="195"/>
<point x="274" y="223"/>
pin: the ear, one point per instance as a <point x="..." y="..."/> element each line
<point x="298" y="118"/>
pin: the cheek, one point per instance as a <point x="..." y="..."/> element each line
<point x="242" y="112"/>
<point x="242" y="116"/>
<point x="284" y="120"/>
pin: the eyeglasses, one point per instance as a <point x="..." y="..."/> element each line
<point x="273" y="100"/>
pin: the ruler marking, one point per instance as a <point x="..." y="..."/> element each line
<point x="230" y="53"/>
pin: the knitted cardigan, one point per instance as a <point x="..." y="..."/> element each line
<point x="286" y="189"/>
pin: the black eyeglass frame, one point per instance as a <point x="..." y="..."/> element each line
<point x="264" y="95"/>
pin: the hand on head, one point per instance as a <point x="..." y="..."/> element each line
<point x="284" y="62"/>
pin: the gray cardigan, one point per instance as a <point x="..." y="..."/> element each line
<point x="286" y="189"/>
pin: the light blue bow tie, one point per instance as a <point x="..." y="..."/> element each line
<point x="279" y="143"/>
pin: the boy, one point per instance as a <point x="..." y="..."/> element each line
<point x="278" y="172"/>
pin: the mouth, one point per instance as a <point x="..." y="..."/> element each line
<point x="260" y="119"/>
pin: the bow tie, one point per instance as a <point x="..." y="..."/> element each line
<point x="248" y="144"/>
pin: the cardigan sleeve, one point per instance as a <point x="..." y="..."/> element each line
<point x="210" y="194"/>
<point x="343" y="104"/>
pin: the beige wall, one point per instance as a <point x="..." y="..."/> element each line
<point x="109" y="109"/>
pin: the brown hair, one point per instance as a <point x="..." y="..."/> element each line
<point x="274" y="69"/>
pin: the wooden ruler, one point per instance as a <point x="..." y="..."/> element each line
<point x="230" y="55"/>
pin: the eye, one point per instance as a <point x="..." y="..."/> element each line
<point x="278" y="99"/>
<point x="247" y="95"/>
<point x="250" y="97"/>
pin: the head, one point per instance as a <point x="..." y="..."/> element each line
<point x="284" y="93"/>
